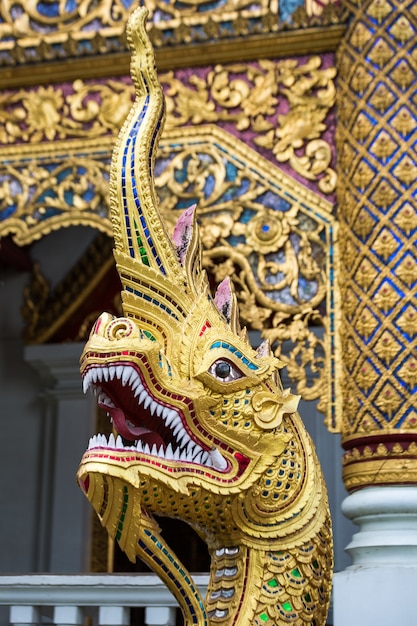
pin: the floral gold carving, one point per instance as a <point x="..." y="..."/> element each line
<point x="408" y="372"/>
<point x="403" y="122"/>
<point x="407" y="321"/>
<point x="406" y="218"/>
<point x="386" y="297"/>
<point x="407" y="270"/>
<point x="387" y="347"/>
<point x="366" y="274"/>
<point x="379" y="9"/>
<point x="385" y="244"/>
<point x="248" y="96"/>
<point x="366" y="324"/>
<point x="402" y="30"/>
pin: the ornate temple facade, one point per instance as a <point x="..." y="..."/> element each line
<point x="292" y="125"/>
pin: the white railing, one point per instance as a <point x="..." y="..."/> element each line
<point x="106" y="599"/>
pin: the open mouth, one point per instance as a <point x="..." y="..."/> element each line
<point x="144" y="424"/>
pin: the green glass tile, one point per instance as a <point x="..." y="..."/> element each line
<point x="264" y="617"/>
<point x="296" y="573"/>
<point x="272" y="583"/>
<point x="287" y="606"/>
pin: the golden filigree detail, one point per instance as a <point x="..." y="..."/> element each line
<point x="408" y="372"/>
<point x="360" y="79"/>
<point x="406" y="170"/>
<point x="362" y="128"/>
<point x="383" y="146"/>
<point x="248" y="96"/>
<point x="406" y="218"/>
<point x="403" y="121"/>
<point x="407" y="270"/>
<point x="360" y="36"/>
<point x="379" y="9"/>
<point x="402" y="74"/>
<point x="385" y="244"/>
<point x="366" y="274"/>
<point x="386" y="297"/>
<point x="388" y="400"/>
<point x="387" y="347"/>
<point x="380" y="53"/>
<point x="407" y="321"/>
<point x="366" y="377"/>
<point x="402" y="29"/>
<point x="364" y="222"/>
<point x="366" y="323"/>
<point x="88" y="110"/>
<point x="381" y="99"/>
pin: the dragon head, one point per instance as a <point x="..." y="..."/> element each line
<point x="203" y="430"/>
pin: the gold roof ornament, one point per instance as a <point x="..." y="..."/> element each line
<point x="204" y="431"/>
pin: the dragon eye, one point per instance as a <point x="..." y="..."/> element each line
<point x="225" y="371"/>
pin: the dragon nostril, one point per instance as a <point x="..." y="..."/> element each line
<point x="120" y="328"/>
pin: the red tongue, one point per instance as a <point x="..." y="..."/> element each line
<point x="131" y="432"/>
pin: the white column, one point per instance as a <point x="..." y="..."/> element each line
<point x="68" y="424"/>
<point x="379" y="588"/>
<point x="160" y="616"/>
<point x="70" y="615"/>
<point x="113" y="616"/>
<point x="24" y="615"/>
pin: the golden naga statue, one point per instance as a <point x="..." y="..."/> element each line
<point x="204" y="430"/>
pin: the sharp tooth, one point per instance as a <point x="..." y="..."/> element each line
<point x="183" y="455"/>
<point x="165" y="412"/>
<point x="205" y="458"/>
<point x="176" y="454"/>
<point x="119" y="371"/>
<point x="217" y="459"/>
<point x="133" y="377"/>
<point x="159" y="409"/>
<point x="106" y="374"/>
<point x="143" y="395"/>
<point x="169" y="453"/>
<point x="99" y="374"/>
<point x="146" y="449"/>
<point x="93" y="441"/>
<point x="197" y="459"/>
<point x="138" y="390"/>
<point x="185" y="438"/>
<point x="171" y="417"/>
<point x="85" y="384"/>
<point x="126" y="374"/>
<point x="147" y="402"/>
<point x="90" y="443"/>
<point x="119" y="442"/>
<point x="154" y="450"/>
<point x="112" y="442"/>
<point x="161" y="451"/>
<point x="178" y="428"/>
<point x="190" y="446"/>
<point x="189" y="455"/>
<point x="153" y="407"/>
<point x="139" y="446"/>
<point x="112" y="372"/>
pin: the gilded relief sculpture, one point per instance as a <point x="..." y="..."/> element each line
<point x="203" y="429"/>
